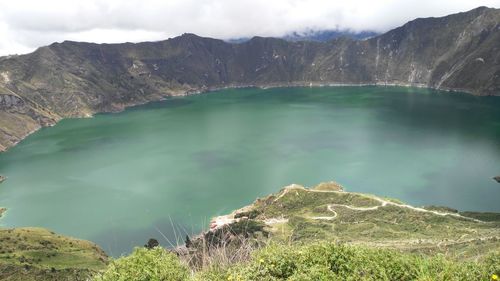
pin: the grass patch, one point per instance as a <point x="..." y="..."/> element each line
<point x="39" y="254"/>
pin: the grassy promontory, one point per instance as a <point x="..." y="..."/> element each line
<point x="325" y="233"/>
<point x="319" y="233"/>
<point x="39" y="254"/>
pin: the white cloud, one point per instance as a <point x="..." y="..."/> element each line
<point x="28" y="24"/>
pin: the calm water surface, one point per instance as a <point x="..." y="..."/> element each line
<point x="119" y="179"/>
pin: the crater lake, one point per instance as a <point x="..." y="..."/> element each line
<point x="164" y="169"/>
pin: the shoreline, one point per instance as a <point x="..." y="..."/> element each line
<point x="204" y="90"/>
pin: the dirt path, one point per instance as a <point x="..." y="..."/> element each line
<point x="275" y="220"/>
<point x="383" y="203"/>
<point x="288" y="188"/>
<point x="220" y="221"/>
<point x="330" y="208"/>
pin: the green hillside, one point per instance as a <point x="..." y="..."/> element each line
<point x="325" y="233"/>
<point x="39" y="254"/>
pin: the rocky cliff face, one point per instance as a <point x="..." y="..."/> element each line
<point x="71" y="79"/>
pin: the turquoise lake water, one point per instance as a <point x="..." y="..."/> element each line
<point x="119" y="179"/>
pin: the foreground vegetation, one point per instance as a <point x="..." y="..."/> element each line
<point x="314" y="262"/>
<point x="325" y="233"/>
<point x="319" y="233"/>
<point x="327" y="213"/>
<point x="39" y="254"/>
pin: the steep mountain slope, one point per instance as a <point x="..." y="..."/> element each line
<point x="72" y="79"/>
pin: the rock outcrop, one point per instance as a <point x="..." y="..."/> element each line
<point x="10" y="101"/>
<point x="72" y="79"/>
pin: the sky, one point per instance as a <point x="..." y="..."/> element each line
<point x="28" y="24"/>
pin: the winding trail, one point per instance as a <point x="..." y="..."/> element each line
<point x="275" y="220"/>
<point x="221" y="221"/>
<point x="330" y="208"/>
<point x="288" y="188"/>
<point x="383" y="203"/>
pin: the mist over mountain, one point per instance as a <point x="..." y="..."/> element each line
<point x="327" y="35"/>
<point x="317" y="35"/>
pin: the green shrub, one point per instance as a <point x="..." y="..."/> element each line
<point x="319" y="261"/>
<point x="315" y="273"/>
<point x="146" y="265"/>
<point x="492" y="263"/>
<point x="273" y="261"/>
<point x="215" y="274"/>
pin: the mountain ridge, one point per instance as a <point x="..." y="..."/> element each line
<point x="74" y="79"/>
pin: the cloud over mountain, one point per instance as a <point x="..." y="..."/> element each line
<point x="27" y="24"/>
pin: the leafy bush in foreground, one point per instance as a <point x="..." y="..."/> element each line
<point x="313" y="262"/>
<point x="329" y="261"/>
<point x="146" y="265"/>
